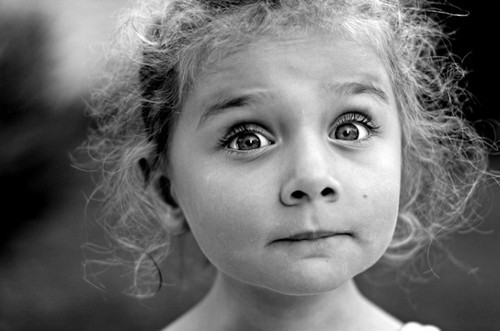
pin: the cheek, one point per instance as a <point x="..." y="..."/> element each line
<point x="225" y="216"/>
<point x="380" y="204"/>
<point x="382" y="211"/>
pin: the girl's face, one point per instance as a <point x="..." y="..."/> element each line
<point x="286" y="162"/>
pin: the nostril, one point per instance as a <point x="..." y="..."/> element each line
<point x="298" y="194"/>
<point x="327" y="191"/>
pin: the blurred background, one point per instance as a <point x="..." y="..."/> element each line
<point x="49" y="53"/>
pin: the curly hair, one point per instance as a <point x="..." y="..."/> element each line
<point x="164" y="44"/>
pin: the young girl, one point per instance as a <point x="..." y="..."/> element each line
<point x="298" y="141"/>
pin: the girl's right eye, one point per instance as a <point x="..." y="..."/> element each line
<point x="246" y="137"/>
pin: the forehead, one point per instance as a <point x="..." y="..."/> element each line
<point x="324" y="59"/>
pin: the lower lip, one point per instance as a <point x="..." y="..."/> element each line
<point x="319" y="247"/>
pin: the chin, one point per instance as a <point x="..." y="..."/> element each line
<point x="309" y="281"/>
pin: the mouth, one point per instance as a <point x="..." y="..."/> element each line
<point x="312" y="236"/>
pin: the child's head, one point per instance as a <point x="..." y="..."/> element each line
<point x="254" y="122"/>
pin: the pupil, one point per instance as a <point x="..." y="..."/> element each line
<point x="248" y="141"/>
<point x="347" y="132"/>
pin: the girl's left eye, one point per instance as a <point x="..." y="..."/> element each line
<point x="351" y="131"/>
<point x="246" y="138"/>
<point x="353" y="127"/>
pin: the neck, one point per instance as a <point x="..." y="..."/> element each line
<point x="252" y="308"/>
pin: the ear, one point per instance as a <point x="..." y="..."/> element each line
<point x="167" y="209"/>
<point x="161" y="184"/>
<point x="164" y="188"/>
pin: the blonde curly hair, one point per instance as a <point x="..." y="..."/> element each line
<point x="164" y="44"/>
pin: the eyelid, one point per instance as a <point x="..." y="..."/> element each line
<point x="243" y="127"/>
<point x="355" y="116"/>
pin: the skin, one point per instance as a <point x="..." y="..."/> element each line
<point x="316" y="153"/>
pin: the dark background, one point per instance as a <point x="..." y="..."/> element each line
<point x="47" y="49"/>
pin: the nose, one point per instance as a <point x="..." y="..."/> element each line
<point x="310" y="176"/>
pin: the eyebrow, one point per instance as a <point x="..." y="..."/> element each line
<point x="355" y="88"/>
<point x="223" y="102"/>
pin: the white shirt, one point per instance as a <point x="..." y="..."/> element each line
<point x="413" y="326"/>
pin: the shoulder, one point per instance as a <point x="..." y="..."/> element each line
<point x="197" y="319"/>
<point x="413" y="326"/>
<point x="184" y="323"/>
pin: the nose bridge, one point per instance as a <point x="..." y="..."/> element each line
<point x="310" y="174"/>
<point x="309" y="156"/>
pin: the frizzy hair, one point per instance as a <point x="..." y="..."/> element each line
<point x="163" y="45"/>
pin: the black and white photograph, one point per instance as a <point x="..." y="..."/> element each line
<point x="241" y="165"/>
